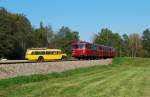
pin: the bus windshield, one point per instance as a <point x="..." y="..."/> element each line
<point x="78" y="46"/>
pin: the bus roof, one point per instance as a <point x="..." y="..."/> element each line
<point x="41" y="49"/>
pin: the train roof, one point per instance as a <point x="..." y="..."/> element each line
<point x="81" y="42"/>
<point x="84" y="42"/>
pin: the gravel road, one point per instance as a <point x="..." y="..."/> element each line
<point x="20" y="69"/>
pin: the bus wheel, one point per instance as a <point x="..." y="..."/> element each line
<point x="40" y="59"/>
<point x="64" y="58"/>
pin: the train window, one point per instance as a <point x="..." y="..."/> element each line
<point x="88" y="46"/>
<point x="105" y="49"/>
<point x="93" y="47"/>
<point x="75" y="47"/>
<point x="100" y="48"/>
<point x="110" y="49"/>
<point x="79" y="46"/>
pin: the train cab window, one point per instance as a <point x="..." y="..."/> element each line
<point x="75" y="47"/>
<point x="78" y="46"/>
<point x="81" y="46"/>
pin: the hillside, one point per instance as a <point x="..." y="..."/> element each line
<point x="126" y="77"/>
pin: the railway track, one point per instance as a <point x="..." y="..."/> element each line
<point x="28" y="61"/>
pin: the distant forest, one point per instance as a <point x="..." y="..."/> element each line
<point x="17" y="34"/>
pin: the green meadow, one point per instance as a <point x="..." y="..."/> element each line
<point x="125" y="77"/>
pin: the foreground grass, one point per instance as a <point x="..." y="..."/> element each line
<point x="126" y="77"/>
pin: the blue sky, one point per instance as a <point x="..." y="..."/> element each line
<point x="85" y="16"/>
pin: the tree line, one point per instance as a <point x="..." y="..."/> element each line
<point x="132" y="45"/>
<point x="17" y="34"/>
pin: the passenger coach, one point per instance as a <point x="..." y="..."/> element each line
<point x="86" y="50"/>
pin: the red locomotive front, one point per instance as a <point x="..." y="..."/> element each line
<point x="79" y="49"/>
<point x="83" y="50"/>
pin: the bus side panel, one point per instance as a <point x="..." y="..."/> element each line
<point x="33" y="57"/>
<point x="52" y="57"/>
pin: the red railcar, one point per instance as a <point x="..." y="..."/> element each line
<point x="86" y="50"/>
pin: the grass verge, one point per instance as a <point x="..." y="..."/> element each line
<point x="125" y="77"/>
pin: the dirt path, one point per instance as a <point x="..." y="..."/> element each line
<point x="13" y="70"/>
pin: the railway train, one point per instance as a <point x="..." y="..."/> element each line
<point x="86" y="50"/>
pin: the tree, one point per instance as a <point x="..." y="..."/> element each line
<point x="146" y="42"/>
<point x="41" y="36"/>
<point x="6" y="38"/>
<point x="50" y="34"/>
<point x="63" y="39"/>
<point x="17" y="34"/>
<point x="13" y="34"/>
<point x="135" y="44"/>
<point x="125" y="45"/>
<point x="107" y="37"/>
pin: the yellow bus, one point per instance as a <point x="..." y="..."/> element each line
<point x="42" y="54"/>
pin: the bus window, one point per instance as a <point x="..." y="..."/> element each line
<point x="33" y="53"/>
<point x="55" y="53"/>
<point x="58" y="52"/>
<point x="48" y="52"/>
<point x="42" y="52"/>
<point x="36" y="53"/>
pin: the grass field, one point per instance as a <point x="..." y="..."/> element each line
<point x="126" y="77"/>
